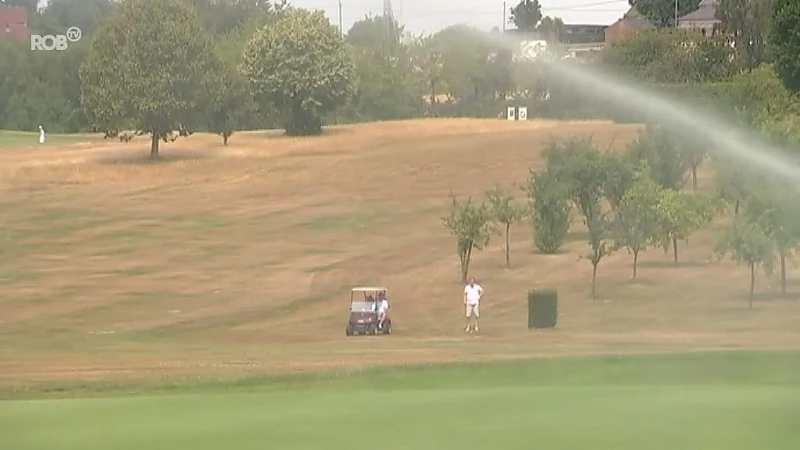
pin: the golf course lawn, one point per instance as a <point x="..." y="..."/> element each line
<point x="22" y="138"/>
<point x="708" y="401"/>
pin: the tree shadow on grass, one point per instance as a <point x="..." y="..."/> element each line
<point x="672" y="264"/>
<point x="280" y="134"/>
<point x="143" y="157"/>
<point x="639" y="281"/>
<point x="764" y="297"/>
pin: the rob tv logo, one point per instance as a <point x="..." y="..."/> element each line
<point x="58" y="42"/>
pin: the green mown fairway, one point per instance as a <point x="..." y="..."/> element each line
<point x="708" y="401"/>
<point x="23" y="138"/>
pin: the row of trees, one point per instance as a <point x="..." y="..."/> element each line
<point x="380" y="73"/>
<point x="634" y="200"/>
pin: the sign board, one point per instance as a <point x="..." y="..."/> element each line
<point x="523" y="113"/>
<point x="512" y="113"/>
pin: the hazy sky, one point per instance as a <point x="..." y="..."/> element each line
<point x="430" y="16"/>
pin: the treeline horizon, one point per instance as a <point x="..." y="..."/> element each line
<point x="452" y="73"/>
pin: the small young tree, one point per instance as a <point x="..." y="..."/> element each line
<point x="658" y="149"/>
<point x="470" y="224"/>
<point x="748" y="243"/>
<point x="693" y="149"/>
<point x="581" y="168"/>
<point x="504" y="212"/>
<point x="620" y="176"/>
<point x="599" y="227"/>
<point x="233" y="105"/>
<point x="636" y="220"/>
<point x="778" y="215"/>
<point x="550" y="211"/>
<point x="679" y="215"/>
<point x="732" y="183"/>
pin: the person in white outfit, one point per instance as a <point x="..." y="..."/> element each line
<point x="383" y="309"/>
<point x="472" y="299"/>
<point x="42" y="136"/>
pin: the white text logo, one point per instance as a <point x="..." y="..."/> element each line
<point x="58" y="42"/>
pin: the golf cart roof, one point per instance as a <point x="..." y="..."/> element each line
<point x="368" y="289"/>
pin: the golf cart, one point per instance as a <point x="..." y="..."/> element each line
<point x="363" y="318"/>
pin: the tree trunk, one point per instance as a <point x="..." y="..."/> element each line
<point x="752" y="284"/>
<point x="594" y="281"/>
<point x="225" y="137"/>
<point x="154" y="145"/>
<point x="694" y="177"/>
<point x="783" y="274"/>
<point x="465" y="264"/>
<point x="736" y="208"/>
<point x="508" y="261"/>
<point x="462" y="256"/>
<point x="675" y="249"/>
<point x="635" y="260"/>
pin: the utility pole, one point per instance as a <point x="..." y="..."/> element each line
<point x="676" y="13"/>
<point x="504" y="17"/>
<point x="341" y="29"/>
<point x="389" y="23"/>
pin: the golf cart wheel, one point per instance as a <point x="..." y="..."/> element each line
<point x="348" y="331"/>
<point x="387" y="328"/>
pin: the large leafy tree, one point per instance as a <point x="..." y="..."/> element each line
<point x="526" y="15"/>
<point x="300" y="66"/>
<point x="784" y="41"/>
<point x="224" y="16"/>
<point x="662" y="12"/>
<point x="375" y="31"/>
<point x="386" y="84"/>
<point x="147" y="68"/>
<point x="664" y="56"/>
<point x="476" y="72"/>
<point x="748" y="22"/>
<point x="428" y="64"/>
<point x="552" y="28"/>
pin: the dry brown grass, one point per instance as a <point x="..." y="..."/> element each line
<point x="237" y="260"/>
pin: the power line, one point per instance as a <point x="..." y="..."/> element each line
<point x="371" y="6"/>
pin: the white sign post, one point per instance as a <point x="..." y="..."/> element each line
<point x="523" y="113"/>
<point x="512" y="113"/>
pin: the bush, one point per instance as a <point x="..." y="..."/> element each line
<point x="550" y="218"/>
<point x="542" y="308"/>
